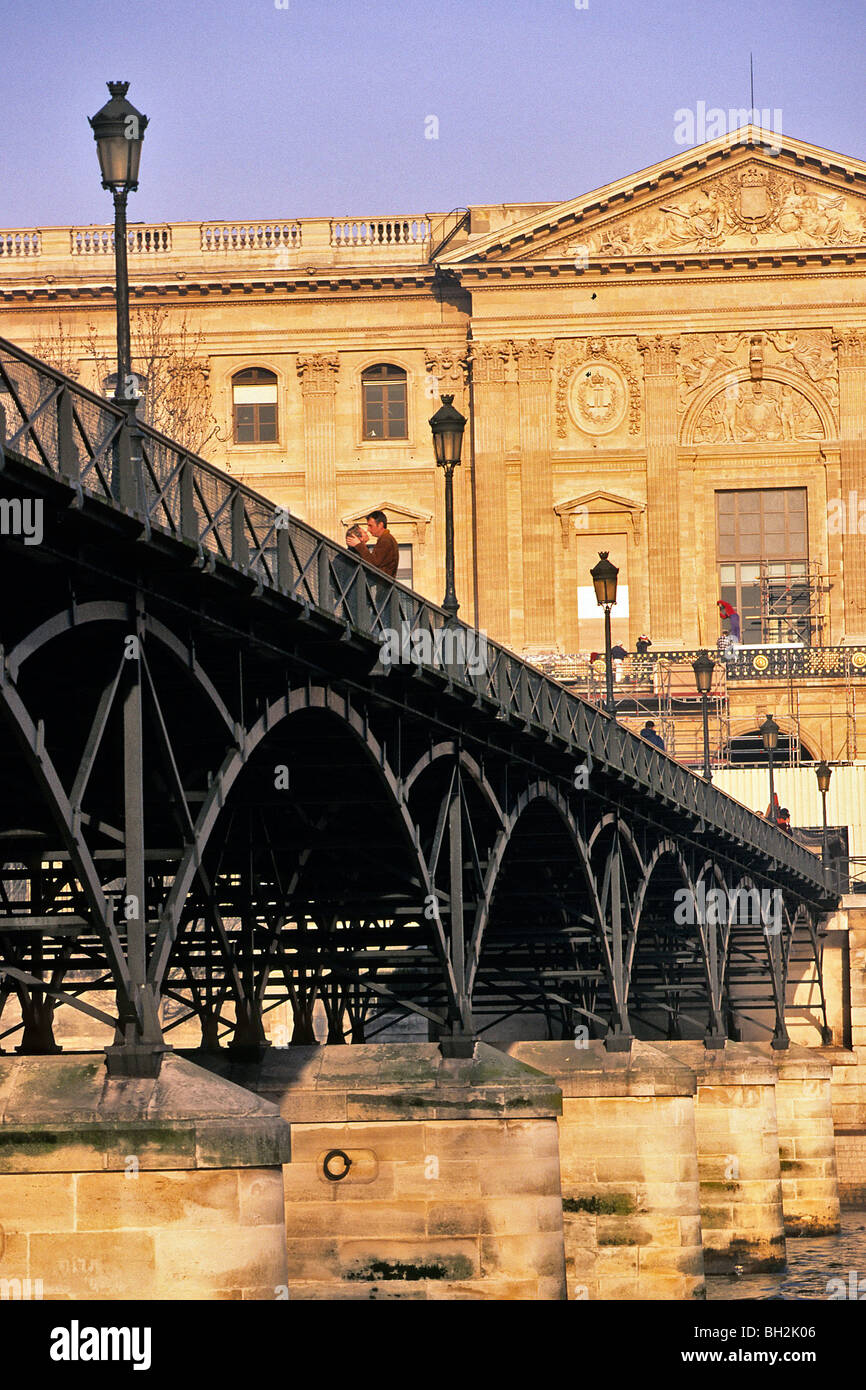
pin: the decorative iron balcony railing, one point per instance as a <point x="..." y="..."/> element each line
<point x="742" y="664"/>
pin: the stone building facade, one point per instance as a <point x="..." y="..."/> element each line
<point x="671" y="368"/>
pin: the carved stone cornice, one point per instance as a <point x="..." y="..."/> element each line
<point x="659" y="354"/>
<point x="490" y="362"/>
<point x="318" y="373"/>
<point x="850" y="346"/>
<point x="534" y="359"/>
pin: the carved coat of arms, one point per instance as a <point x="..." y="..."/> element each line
<point x="598" y="397"/>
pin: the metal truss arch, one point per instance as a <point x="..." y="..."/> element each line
<point x="248" y="742"/>
<point x="545" y="791"/>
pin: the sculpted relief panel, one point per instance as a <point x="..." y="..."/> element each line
<point x="753" y="206"/>
<point x="749" y="412"/>
<point x="748" y="405"/>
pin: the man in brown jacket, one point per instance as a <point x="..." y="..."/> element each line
<point x="385" y="554"/>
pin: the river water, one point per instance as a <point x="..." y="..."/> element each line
<point x="813" y="1265"/>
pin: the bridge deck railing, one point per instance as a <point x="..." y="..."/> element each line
<point x="100" y="448"/>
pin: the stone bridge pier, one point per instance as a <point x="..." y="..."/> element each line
<point x="416" y="1176"/>
<point x="147" y="1188"/>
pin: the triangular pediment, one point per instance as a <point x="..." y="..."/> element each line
<point x="398" y="515"/>
<point x="593" y="508"/>
<point x="743" y="194"/>
<point x="598" y="502"/>
<point x="396" y="511"/>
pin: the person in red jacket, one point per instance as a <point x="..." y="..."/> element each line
<point x="728" y="611"/>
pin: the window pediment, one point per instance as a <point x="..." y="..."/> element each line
<point x="399" y="515"/>
<point x="598" y="511"/>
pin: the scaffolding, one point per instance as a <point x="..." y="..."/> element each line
<point x="661" y="689"/>
<point x="794" y="608"/>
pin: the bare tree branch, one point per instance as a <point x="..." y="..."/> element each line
<point x="168" y="362"/>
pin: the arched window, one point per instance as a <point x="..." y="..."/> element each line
<point x="747" y="750"/>
<point x="383" y="389"/>
<point x="254" y="406"/>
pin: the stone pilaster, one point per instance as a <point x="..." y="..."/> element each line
<point x="490" y="362"/>
<point x="448" y="372"/>
<point x="850" y="345"/>
<point x="849" y="1064"/>
<point x="318" y="374"/>
<point x="738" y="1156"/>
<point x="534" y="368"/>
<point x="663" y="522"/>
<point x="810" y="1186"/>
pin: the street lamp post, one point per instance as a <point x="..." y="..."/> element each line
<point x="118" y="130"/>
<point x="604" y="577"/>
<point x="447" y="426"/>
<point x="703" y="668"/>
<point x="824" y="772"/>
<point x="770" y="738"/>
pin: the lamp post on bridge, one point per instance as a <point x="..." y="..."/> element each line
<point x="604" y="578"/>
<point x="118" y="130"/>
<point x="824" y="772"/>
<point x="770" y="737"/>
<point x="447" y="426"/>
<point x="703" y="668"/>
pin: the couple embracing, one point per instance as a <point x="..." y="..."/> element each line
<point x="385" y="554"/>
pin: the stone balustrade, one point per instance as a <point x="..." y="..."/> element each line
<point x="389" y="231"/>
<point x="201" y="247"/>
<point x="250" y="236"/>
<point x="99" y="241"/>
<point x="17" y="244"/>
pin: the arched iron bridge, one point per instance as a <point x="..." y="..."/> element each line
<point x="216" y="798"/>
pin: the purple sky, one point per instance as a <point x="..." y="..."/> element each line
<point x="320" y="108"/>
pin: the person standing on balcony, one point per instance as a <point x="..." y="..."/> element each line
<point x="728" y="611"/>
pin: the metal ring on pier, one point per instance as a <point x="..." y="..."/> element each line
<point x="328" y="1159"/>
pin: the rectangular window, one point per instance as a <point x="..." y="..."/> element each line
<point x="764" y="529"/>
<point x="404" y="566"/>
<point x="385" y="410"/>
<point x="255" y="424"/>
